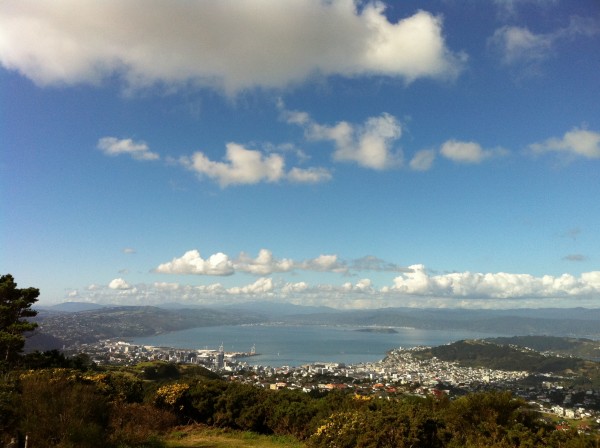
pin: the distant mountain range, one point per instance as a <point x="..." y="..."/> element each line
<point x="76" y="322"/>
<point x="64" y="328"/>
<point x="270" y="309"/>
<point x="72" y="307"/>
<point x="578" y="322"/>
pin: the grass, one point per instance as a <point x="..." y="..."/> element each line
<point x="199" y="436"/>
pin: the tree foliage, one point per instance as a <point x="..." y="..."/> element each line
<point x="121" y="408"/>
<point x="15" y="308"/>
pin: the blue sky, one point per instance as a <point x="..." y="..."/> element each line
<point x="339" y="153"/>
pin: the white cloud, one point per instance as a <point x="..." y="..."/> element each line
<point x="168" y="286"/>
<point x="520" y="45"/>
<point x="418" y="288"/>
<point x="422" y="160"/>
<point x="212" y="289"/>
<point x="129" y="250"/>
<point x="370" y="144"/>
<point x="263" y="264"/>
<point x="289" y="288"/>
<point x="266" y="263"/>
<point x="112" y="146"/>
<point x="362" y="286"/>
<point x="224" y="44"/>
<point x="119" y="283"/>
<point x="192" y="263"/>
<point x="467" y="152"/>
<point x="242" y="166"/>
<point x="261" y="286"/>
<point x="372" y="147"/>
<point x="577" y="142"/>
<point x="494" y="285"/>
<point x="312" y="175"/>
<point x="325" y="263"/>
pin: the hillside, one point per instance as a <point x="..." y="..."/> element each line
<point x="483" y="353"/>
<point x="128" y="321"/>
<point x="580" y="348"/>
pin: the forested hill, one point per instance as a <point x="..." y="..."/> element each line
<point x="578" y="347"/>
<point x="486" y="354"/>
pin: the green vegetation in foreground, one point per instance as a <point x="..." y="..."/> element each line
<point x="200" y="436"/>
<point x="122" y="408"/>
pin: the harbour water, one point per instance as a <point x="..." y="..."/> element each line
<point x="282" y="345"/>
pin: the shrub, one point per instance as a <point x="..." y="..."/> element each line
<point x="58" y="409"/>
<point x="137" y="425"/>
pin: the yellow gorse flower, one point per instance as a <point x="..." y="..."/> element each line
<point x="170" y="393"/>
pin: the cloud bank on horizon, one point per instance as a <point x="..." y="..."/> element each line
<point x="414" y="286"/>
<point x="464" y="137"/>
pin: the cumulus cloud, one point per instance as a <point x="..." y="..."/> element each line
<point x="119" y="283"/>
<point x="576" y="142"/>
<point x="261" y="286"/>
<point x="263" y="264"/>
<point x="363" y="286"/>
<point x="467" y="152"/>
<point x="325" y="263"/>
<point x="414" y="287"/>
<point x="370" y="145"/>
<point x="241" y="166"/>
<point x="521" y="46"/>
<point x="112" y="146"/>
<point x="223" y="44"/>
<point x="294" y="287"/>
<point x="244" y="166"/>
<point x="494" y="285"/>
<point x="422" y="160"/>
<point x="192" y="263"/>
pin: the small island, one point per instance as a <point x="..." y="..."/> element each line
<point x="377" y="330"/>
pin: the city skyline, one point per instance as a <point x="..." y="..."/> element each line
<point x="339" y="153"/>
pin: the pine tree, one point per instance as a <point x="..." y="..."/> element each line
<point x="15" y="308"/>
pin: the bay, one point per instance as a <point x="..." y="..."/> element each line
<point x="284" y="345"/>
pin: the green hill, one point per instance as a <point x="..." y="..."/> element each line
<point x="577" y="347"/>
<point x="483" y="353"/>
